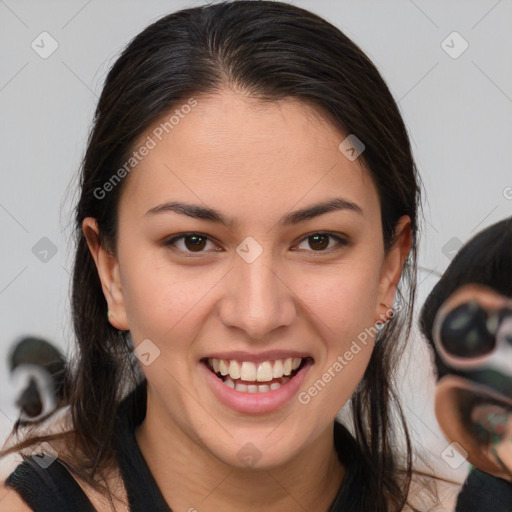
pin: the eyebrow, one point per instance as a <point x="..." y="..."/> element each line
<point x="210" y="214"/>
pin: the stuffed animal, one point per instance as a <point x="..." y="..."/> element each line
<point x="37" y="371"/>
<point x="467" y="318"/>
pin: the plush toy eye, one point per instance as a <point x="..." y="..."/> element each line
<point x="464" y="331"/>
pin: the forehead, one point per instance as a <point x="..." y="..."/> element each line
<point x="246" y="156"/>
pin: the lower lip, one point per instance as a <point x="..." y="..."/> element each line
<point x="255" y="403"/>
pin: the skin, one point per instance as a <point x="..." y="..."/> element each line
<point x="255" y="162"/>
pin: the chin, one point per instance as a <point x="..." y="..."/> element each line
<point x="255" y="452"/>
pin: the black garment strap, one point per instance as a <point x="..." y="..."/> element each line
<point x="50" y="489"/>
<point x="482" y="491"/>
<point x="55" y="490"/>
<point x="142" y="489"/>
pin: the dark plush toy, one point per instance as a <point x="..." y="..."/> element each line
<point x="41" y="367"/>
<point x="467" y="318"/>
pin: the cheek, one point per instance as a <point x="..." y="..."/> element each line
<point x="167" y="302"/>
<point x="343" y="298"/>
<point x="346" y="305"/>
<point x="161" y="300"/>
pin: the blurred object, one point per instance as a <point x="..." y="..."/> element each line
<point x="37" y="371"/>
<point x="472" y="333"/>
<point x="467" y="319"/>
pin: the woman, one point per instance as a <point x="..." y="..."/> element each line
<point x="248" y="207"/>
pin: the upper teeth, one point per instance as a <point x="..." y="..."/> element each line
<point x="249" y="371"/>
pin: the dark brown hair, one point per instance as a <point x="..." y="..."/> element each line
<point x="271" y="50"/>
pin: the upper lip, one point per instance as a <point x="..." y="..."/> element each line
<point x="268" y="355"/>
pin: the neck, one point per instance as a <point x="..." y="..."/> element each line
<point x="192" y="479"/>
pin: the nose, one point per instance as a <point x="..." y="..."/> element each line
<point x="257" y="299"/>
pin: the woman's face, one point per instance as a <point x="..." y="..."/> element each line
<point x="258" y="293"/>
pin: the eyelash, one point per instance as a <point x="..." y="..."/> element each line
<point x="342" y="242"/>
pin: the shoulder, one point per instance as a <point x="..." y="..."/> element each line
<point x="432" y="493"/>
<point x="29" y="481"/>
<point x="10" y="500"/>
<point x="59" y="478"/>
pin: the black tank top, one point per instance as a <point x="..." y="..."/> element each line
<point x="482" y="491"/>
<point x="54" y="489"/>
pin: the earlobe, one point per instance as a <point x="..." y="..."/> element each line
<point x="393" y="265"/>
<point x="108" y="272"/>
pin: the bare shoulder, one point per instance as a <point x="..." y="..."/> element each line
<point x="433" y="493"/>
<point x="448" y="493"/>
<point x="10" y="500"/>
<point x="99" y="500"/>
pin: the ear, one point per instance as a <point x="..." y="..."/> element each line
<point x="108" y="272"/>
<point x="393" y="264"/>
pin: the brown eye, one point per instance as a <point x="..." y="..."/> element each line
<point x="189" y="243"/>
<point x="319" y="242"/>
<point x="195" y="243"/>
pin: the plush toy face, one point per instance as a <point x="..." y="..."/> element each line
<point x="473" y="336"/>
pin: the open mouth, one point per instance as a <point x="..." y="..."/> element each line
<point x="249" y="377"/>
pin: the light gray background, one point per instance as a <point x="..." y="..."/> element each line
<point x="458" y="112"/>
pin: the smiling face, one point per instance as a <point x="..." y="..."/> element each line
<point x="256" y="289"/>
